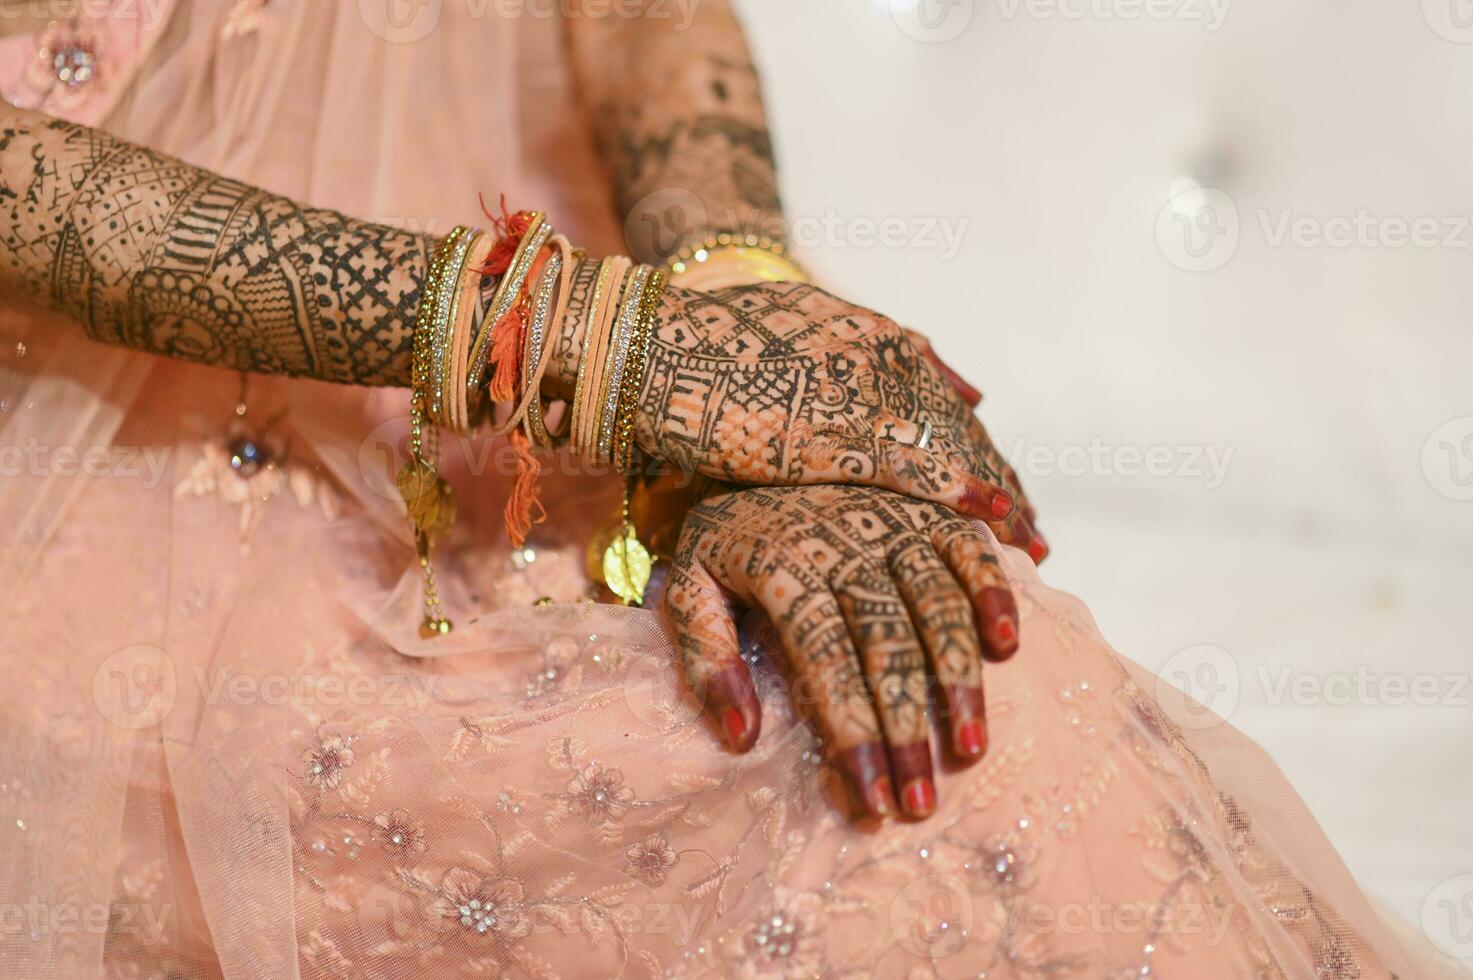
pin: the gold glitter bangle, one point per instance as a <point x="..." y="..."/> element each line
<point x="449" y="406"/>
<point x="618" y="356"/>
<point x="634" y="370"/>
<point x="427" y="496"/>
<point x="534" y="358"/>
<point x="554" y="329"/>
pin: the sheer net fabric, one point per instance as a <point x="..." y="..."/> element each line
<point x="225" y="753"/>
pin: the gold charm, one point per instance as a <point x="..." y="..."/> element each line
<point x="627" y="566"/>
<point x="428" y="497"/>
<point x="626" y="563"/>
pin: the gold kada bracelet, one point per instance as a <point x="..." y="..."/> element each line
<point x="729" y="259"/>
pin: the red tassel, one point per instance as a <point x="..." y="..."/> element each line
<point x="524" y="508"/>
<point x="510" y="230"/>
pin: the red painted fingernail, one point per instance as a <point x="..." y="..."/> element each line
<point x="920" y="797"/>
<point x="881" y="797"/>
<point x="736" y="728"/>
<point x="971" y="737"/>
<point x="1002" y="505"/>
<point x="1037" y="548"/>
<point x="999" y="614"/>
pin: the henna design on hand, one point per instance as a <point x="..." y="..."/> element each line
<point x="873" y="594"/>
<point x="783" y="383"/>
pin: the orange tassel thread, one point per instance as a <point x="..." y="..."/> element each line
<point x="524" y="508"/>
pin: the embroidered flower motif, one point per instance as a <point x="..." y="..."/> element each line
<point x="599" y="794"/>
<point x="398" y="833"/>
<point x="481" y="906"/>
<point x="68" y="66"/>
<point x="327" y="759"/>
<point x="651" y="860"/>
<point x="248" y="472"/>
<point x="786" y="941"/>
<point x="1007" y="864"/>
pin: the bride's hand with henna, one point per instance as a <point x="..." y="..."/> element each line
<point x="873" y="594"/>
<point x="785" y="384"/>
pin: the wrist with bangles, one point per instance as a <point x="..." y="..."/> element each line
<point x="464" y="369"/>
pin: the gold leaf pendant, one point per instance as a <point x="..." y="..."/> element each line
<point x="627" y="565"/>
<point x="428" y="497"/>
<point x="624" y="563"/>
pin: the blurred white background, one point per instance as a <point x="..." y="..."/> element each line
<point x="1234" y="236"/>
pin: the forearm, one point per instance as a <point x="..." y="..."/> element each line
<point x="151" y="253"/>
<point x="679" y="118"/>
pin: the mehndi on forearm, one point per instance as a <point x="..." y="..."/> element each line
<point x="151" y="253"/>
<point x="680" y="120"/>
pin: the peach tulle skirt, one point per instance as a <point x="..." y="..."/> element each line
<point x="224" y="752"/>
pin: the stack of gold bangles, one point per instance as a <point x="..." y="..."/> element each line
<point x="615" y="349"/>
<point x="463" y="367"/>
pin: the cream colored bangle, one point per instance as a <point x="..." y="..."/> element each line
<point x="586" y="401"/>
<point x="576" y="413"/>
<point x="578" y="424"/>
